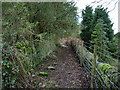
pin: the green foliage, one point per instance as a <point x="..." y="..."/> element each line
<point x="43" y="73"/>
<point x="87" y="24"/>
<point x="51" y="16"/>
<point x="101" y="13"/>
<point x="9" y="68"/>
<point x="114" y="46"/>
<point x="43" y="48"/>
<point x="99" y="38"/>
<point x="24" y="47"/>
<point x="32" y="30"/>
<point x="107" y="69"/>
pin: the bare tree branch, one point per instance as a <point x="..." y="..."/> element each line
<point x="114" y="6"/>
<point x="110" y="2"/>
<point x="106" y="3"/>
<point x="97" y="1"/>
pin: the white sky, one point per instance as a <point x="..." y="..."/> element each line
<point x="113" y="15"/>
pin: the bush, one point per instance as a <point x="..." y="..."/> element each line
<point x="9" y="68"/>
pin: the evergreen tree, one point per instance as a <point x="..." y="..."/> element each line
<point x="114" y="45"/>
<point x="99" y="38"/>
<point x="101" y="13"/>
<point x="87" y="24"/>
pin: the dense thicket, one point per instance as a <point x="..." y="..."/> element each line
<point x="30" y="32"/>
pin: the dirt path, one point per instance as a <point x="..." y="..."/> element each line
<point x="67" y="73"/>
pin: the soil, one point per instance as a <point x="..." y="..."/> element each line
<point x="67" y="73"/>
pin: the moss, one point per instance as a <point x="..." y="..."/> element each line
<point x="105" y="67"/>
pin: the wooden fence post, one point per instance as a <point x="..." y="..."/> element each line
<point x="81" y="59"/>
<point x="93" y="67"/>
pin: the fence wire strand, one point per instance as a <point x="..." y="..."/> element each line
<point x="88" y="64"/>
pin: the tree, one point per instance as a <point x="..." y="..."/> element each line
<point x="30" y="32"/>
<point x="101" y="13"/>
<point x="87" y="24"/>
<point x="114" y="45"/>
<point x="100" y="39"/>
<point x="53" y="17"/>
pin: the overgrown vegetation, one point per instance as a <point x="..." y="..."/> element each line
<point x="30" y="33"/>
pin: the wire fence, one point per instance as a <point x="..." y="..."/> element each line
<point x="104" y="77"/>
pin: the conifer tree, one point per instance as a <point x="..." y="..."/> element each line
<point x="87" y="24"/>
<point x="101" y="13"/>
<point x="99" y="38"/>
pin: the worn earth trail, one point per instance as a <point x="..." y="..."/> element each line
<point x="67" y="73"/>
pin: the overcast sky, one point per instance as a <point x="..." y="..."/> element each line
<point x="113" y="15"/>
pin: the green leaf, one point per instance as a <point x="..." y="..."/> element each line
<point x="43" y="73"/>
